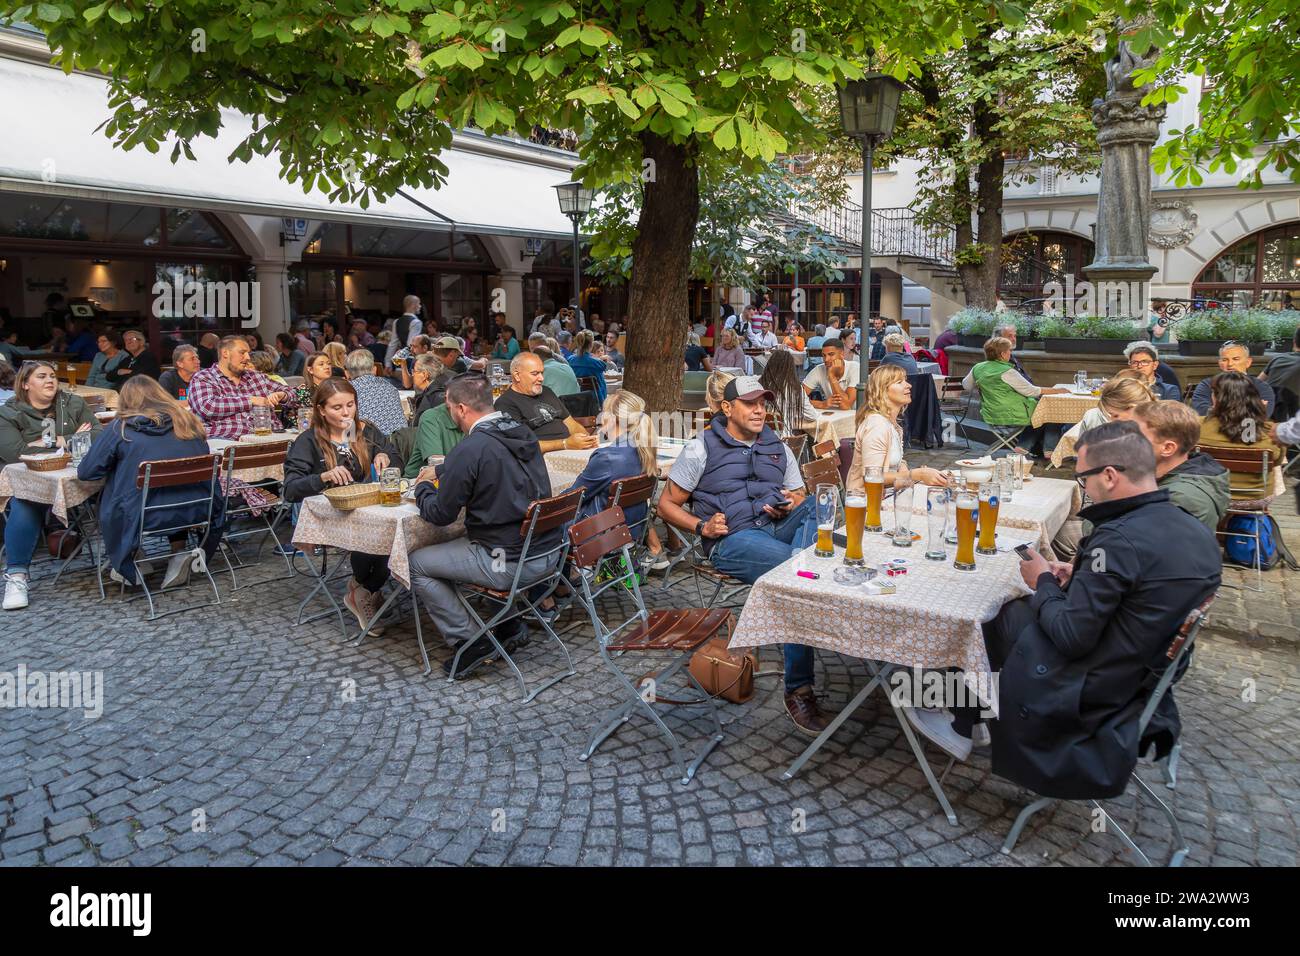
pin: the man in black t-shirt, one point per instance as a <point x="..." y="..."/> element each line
<point x="530" y="402"/>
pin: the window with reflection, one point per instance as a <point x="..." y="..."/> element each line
<point x="1260" y="270"/>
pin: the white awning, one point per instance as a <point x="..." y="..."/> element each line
<point x="50" y="145"/>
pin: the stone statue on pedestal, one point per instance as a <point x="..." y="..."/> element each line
<point x="1126" y="131"/>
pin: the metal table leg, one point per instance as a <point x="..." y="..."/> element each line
<point x="833" y="726"/>
<point x="323" y="578"/>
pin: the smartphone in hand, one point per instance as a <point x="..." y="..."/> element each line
<point x="1023" y="551"/>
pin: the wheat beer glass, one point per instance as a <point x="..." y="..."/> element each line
<point x="967" y="506"/>
<point x="828" y="506"/>
<point x="936" y="516"/>
<point x="904" y="488"/>
<point x="874" y="479"/>
<point x="988" y="512"/>
<point x="855" y="515"/>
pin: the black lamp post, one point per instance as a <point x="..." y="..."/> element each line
<point x="575" y="202"/>
<point x="868" y="108"/>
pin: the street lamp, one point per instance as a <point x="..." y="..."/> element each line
<point x="575" y="202"/>
<point x="868" y="109"/>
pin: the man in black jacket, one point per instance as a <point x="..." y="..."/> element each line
<point x="494" y="473"/>
<point x="139" y="360"/>
<point x="1078" y="659"/>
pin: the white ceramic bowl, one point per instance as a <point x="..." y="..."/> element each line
<point x="975" y="473"/>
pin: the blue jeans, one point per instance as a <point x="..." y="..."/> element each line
<point x="751" y="553"/>
<point x="22" y="531"/>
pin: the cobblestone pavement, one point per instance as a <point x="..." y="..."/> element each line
<point x="228" y="738"/>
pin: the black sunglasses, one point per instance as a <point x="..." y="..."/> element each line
<point x="1082" y="476"/>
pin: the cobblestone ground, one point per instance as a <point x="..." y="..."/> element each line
<point x="238" y="720"/>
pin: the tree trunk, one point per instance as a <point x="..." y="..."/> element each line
<point x="980" y="278"/>
<point x="658" y="294"/>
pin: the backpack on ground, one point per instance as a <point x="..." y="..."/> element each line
<point x="1240" y="545"/>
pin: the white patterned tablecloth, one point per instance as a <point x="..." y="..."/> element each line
<point x="565" y="466"/>
<point x="376" y="529"/>
<point x="60" y="489"/>
<point x="933" y="621"/>
<point x="1062" y="409"/>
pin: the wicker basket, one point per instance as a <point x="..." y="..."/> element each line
<point x="47" y="464"/>
<point x="352" y="497"/>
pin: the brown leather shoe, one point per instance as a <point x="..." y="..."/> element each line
<point x="803" y="710"/>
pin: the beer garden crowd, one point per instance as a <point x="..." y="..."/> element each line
<point x="478" y="424"/>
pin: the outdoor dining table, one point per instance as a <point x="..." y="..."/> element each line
<point x="565" y="466"/>
<point x="834" y="423"/>
<point x="70" y="499"/>
<point x="391" y="530"/>
<point x="1063" y="409"/>
<point x="269" y="473"/>
<point x="91" y="391"/>
<point x="933" y="622"/>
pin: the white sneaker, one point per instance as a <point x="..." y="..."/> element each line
<point x="178" y="570"/>
<point x="937" y="726"/>
<point x="363" y="604"/>
<point x="15" y="592"/>
<point x="658" y="562"/>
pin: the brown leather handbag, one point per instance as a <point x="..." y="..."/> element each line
<point x="723" y="672"/>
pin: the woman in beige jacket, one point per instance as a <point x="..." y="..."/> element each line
<point x="879" y="439"/>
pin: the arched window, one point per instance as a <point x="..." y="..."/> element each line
<point x="1031" y="259"/>
<point x="1260" y="270"/>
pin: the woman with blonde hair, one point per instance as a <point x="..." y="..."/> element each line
<point x="629" y="447"/>
<point x="730" y="354"/>
<point x="714" y="386"/>
<point x="150" y="426"/>
<point x="879" y="439"/>
<point x="1119" y="396"/>
<point x="338" y="355"/>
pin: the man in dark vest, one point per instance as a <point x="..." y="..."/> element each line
<point x="748" y="505"/>
<point x="405" y="328"/>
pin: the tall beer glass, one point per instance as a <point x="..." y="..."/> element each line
<point x="967" y="506"/>
<point x="956" y="482"/>
<point x="874" y="479"/>
<point x="904" y="488"/>
<point x="936" y="515"/>
<point x="828" y="503"/>
<point x="988" y="517"/>
<point x="855" y="514"/>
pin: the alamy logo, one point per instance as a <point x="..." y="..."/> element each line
<point x="1073" y="299"/>
<point x="103" y="909"/>
<point x="212" y="300"/>
<point x="75" y="690"/>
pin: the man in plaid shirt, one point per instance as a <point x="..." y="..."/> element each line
<point x="224" y="395"/>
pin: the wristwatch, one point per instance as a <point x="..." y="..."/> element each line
<point x="699" y="528"/>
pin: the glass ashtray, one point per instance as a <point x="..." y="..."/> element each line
<point x="852" y="576"/>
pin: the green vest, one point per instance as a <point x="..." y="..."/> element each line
<point x="1000" y="404"/>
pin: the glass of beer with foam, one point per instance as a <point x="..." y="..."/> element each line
<point x="828" y="506"/>
<point x="988" y="510"/>
<point x="874" y="479"/>
<point x="967" y="507"/>
<point x="855" y="515"/>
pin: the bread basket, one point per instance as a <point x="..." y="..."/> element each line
<point x="352" y="497"/>
<point x="51" y="463"/>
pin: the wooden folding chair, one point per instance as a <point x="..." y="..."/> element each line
<point x="517" y="602"/>
<point x="587" y="383"/>
<point x="821" y="471"/>
<point x="825" y="449"/>
<point x="1177" y="652"/>
<point x="796" y="444"/>
<point x="954" y="402"/>
<point x="201" y="473"/>
<point x="1246" y="461"/>
<point x="675" y="633"/>
<point x="247" y="457"/>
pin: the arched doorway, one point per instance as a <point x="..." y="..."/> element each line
<point x="1032" y="259"/>
<point x="1261" y="270"/>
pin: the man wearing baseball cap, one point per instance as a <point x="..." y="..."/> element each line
<point x="748" y="506"/>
